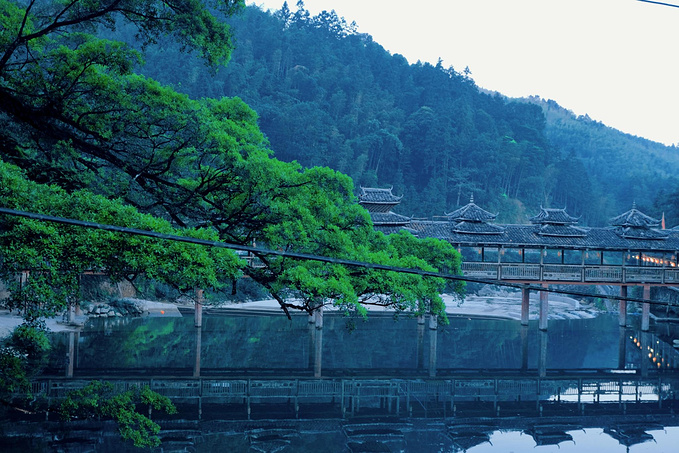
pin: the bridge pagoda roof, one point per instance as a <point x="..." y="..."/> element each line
<point x="554" y="217"/>
<point x="634" y="218"/>
<point x="378" y="200"/>
<point x="550" y="228"/>
<point x="634" y="224"/>
<point x="528" y="236"/>
<point x="471" y="213"/>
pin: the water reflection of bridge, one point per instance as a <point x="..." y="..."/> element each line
<point x="451" y="397"/>
<point x="632" y="251"/>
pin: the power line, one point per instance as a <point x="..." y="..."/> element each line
<point x="659" y="3"/>
<point x="306" y="256"/>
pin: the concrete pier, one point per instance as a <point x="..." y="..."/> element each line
<point x="318" y="342"/>
<point x="525" y="306"/>
<point x="524" y="348"/>
<point x="420" y="342"/>
<point x="622" y="307"/>
<point x="542" y="357"/>
<point x="544" y="309"/>
<point x="433" y="339"/>
<point x="646" y="309"/>
<point x="198" y="346"/>
<point x="198" y="313"/>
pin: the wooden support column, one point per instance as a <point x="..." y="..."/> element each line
<point x="433" y="339"/>
<point x="198" y="313"/>
<point x="646" y="309"/>
<point x="525" y="306"/>
<point x="198" y="342"/>
<point x="71" y="355"/>
<point x="524" y="348"/>
<point x="544" y="308"/>
<point x="622" y="307"/>
<point x="420" y="342"/>
<point x="312" y="339"/>
<point x="318" y="342"/>
<point x="622" y="348"/>
<point x="542" y="357"/>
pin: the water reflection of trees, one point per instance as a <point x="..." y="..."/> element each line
<point x="261" y="342"/>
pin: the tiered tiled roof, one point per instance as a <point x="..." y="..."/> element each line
<point x="634" y="218"/>
<point x="378" y="200"/>
<point x="471" y="213"/>
<point x="634" y="224"/>
<point x="557" y="222"/>
<point x="471" y="219"/>
<point x="554" y="217"/>
<point x="552" y="228"/>
<point x="477" y="228"/>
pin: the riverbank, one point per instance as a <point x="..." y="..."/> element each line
<point x="498" y="306"/>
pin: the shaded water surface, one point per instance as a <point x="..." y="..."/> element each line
<point x="243" y="343"/>
<point x="390" y="385"/>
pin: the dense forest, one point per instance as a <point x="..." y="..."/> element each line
<point x="329" y="96"/>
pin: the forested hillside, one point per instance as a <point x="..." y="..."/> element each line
<point x="623" y="168"/>
<point x="328" y="96"/>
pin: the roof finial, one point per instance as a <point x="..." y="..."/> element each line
<point x="471" y="198"/>
<point x="634" y="204"/>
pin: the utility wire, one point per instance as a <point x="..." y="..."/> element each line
<point x="306" y="256"/>
<point x="659" y="3"/>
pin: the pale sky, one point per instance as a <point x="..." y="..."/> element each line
<point x="615" y="60"/>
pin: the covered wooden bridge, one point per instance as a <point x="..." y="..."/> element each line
<point x="634" y="250"/>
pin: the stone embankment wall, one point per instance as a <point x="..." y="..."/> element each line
<point x="112" y="309"/>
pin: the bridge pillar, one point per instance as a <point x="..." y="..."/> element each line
<point x="622" y="348"/>
<point x="420" y="342"/>
<point x="318" y="340"/>
<point x="646" y="309"/>
<point x="524" y="348"/>
<point x="198" y="341"/>
<point x="433" y="338"/>
<point x="542" y="358"/>
<point x="525" y="306"/>
<point x="71" y="354"/>
<point x="544" y="309"/>
<point x="198" y="312"/>
<point x="622" y="307"/>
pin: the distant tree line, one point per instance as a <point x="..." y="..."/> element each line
<point x="329" y="96"/>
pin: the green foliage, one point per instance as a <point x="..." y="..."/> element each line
<point x="100" y="400"/>
<point x="13" y="376"/>
<point x="42" y="262"/>
<point x="30" y="340"/>
<point x="118" y="144"/>
<point x="22" y="356"/>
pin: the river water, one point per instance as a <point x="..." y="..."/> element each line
<point x="484" y="385"/>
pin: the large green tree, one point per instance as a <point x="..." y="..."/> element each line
<point x="77" y="116"/>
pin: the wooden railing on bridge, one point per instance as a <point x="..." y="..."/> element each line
<point x="572" y="273"/>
